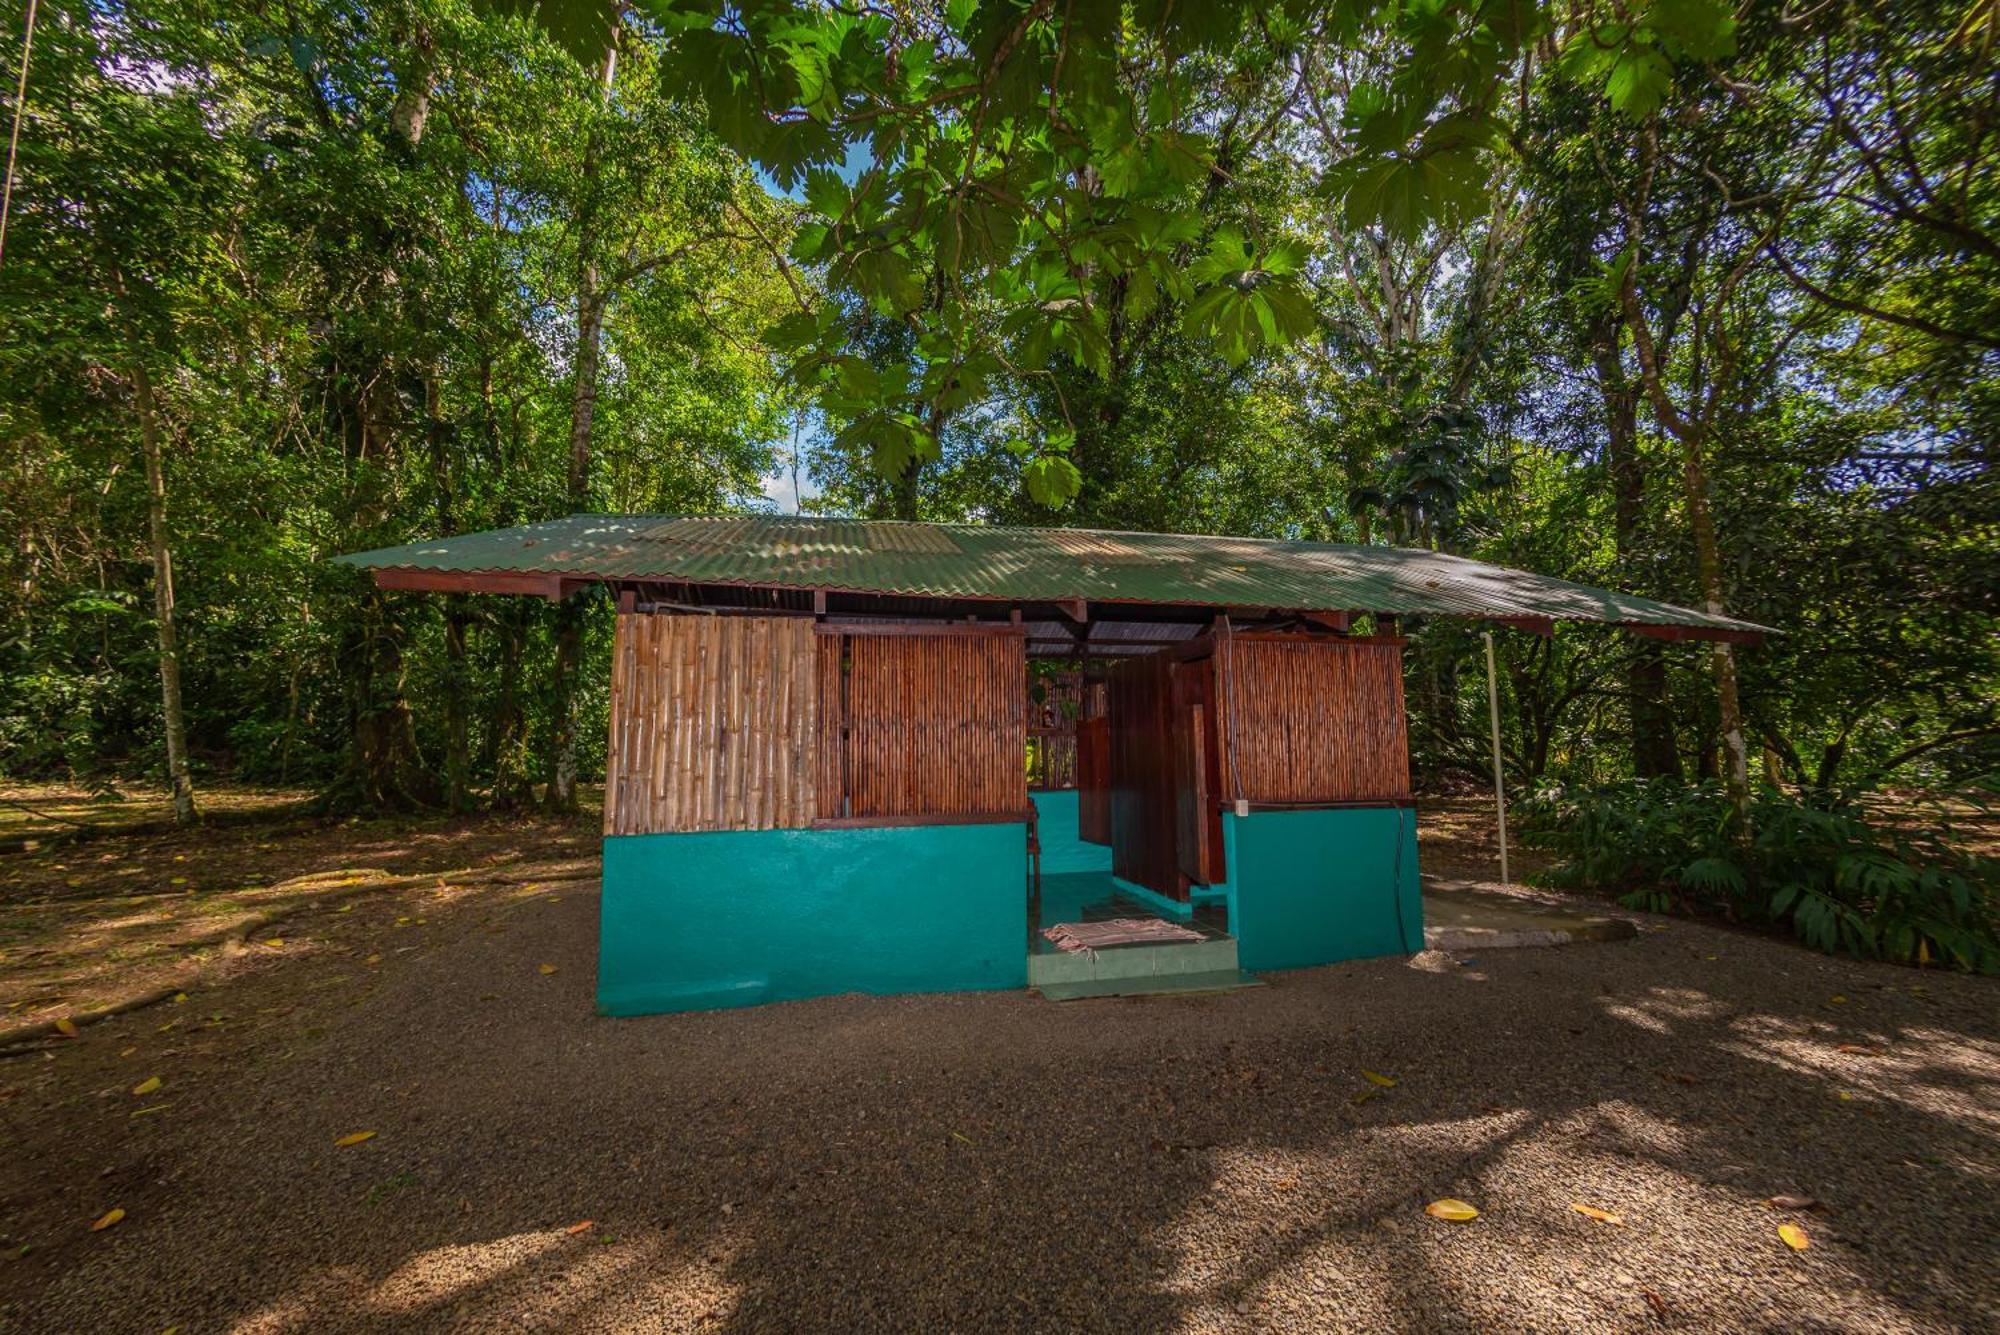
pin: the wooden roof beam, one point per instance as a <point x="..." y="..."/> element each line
<point x="1076" y="609"/>
<point x="552" y="587"/>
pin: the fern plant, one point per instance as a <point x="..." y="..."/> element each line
<point x="1838" y="881"/>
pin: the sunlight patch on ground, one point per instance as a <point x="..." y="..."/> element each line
<point x="443" y="1273"/>
<point x="1657" y="1011"/>
<point x="1936" y="1072"/>
<point x="1320" y="1214"/>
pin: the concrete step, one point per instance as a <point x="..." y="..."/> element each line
<point x="1217" y="955"/>
<point x="1183" y="984"/>
<point x="1464" y="915"/>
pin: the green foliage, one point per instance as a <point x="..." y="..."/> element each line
<point x="1841" y="882"/>
<point x="1343" y="272"/>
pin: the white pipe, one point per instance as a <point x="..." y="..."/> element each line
<point x="1499" y="783"/>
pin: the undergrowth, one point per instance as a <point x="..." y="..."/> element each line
<point x="1842" y="882"/>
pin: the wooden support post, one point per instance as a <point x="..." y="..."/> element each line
<point x="1499" y="781"/>
<point x="1331" y="620"/>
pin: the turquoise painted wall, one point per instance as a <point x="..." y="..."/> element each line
<point x="734" y="918"/>
<point x="1314" y="887"/>
<point x="1062" y="850"/>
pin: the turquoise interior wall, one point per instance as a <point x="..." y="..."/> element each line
<point x="733" y="918"/>
<point x="1317" y="886"/>
<point x="1057" y="825"/>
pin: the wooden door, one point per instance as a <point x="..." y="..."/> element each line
<point x="1093" y="780"/>
<point x="1197" y="774"/>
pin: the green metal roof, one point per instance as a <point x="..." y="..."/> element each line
<point x="1041" y="565"/>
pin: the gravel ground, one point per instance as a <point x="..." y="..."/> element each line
<point x="994" y="1161"/>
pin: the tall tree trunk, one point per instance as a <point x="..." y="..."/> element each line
<point x="457" y="689"/>
<point x="590" y="302"/>
<point x="1722" y="657"/>
<point x="1653" y="751"/>
<point x="163" y="599"/>
<point x="384" y="768"/>
<point x="508" y="737"/>
<point x="457" y="673"/>
<point x="1690" y="430"/>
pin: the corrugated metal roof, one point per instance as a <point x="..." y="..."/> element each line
<point x="1025" y="565"/>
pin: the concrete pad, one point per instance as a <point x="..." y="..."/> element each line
<point x="1159" y="985"/>
<point x="1476" y="915"/>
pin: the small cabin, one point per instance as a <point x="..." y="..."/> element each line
<point x="851" y="755"/>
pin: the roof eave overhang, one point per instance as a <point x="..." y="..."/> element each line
<point x="559" y="585"/>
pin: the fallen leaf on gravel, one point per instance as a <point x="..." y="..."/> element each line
<point x="147" y="1112"/>
<point x="345" y="908"/>
<point x="548" y="968"/>
<point x="1372" y="1078"/>
<point x="1675" y="1077"/>
<point x="1792" y="1202"/>
<point x="180" y="997"/>
<point x="1657" y="1303"/>
<point x="960" y="1135"/>
<point x="1602" y="1216"/>
<point x="147" y="1086"/>
<point x="582" y="1225"/>
<point x="353" y="1138"/>
<point x="1364" y="1095"/>
<point x="1794" y="1236"/>
<point x="1836" y="1000"/>
<point x="1449" y="1208"/>
<point x="276" y="943"/>
<point x="374" y="959"/>
<point x="67" y="1028"/>
<point x="107" y="1219"/>
<point x="128" y="1052"/>
<point x="1858" y="1049"/>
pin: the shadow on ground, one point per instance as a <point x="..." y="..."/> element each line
<point x="997" y="1162"/>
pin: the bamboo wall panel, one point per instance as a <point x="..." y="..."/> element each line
<point x="714" y="722"/>
<point x="1315" y="721"/>
<point x="937" y="725"/>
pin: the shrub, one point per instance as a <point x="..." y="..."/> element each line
<point x="1841" y="882"/>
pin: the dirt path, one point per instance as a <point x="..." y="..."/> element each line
<point x="993" y="1161"/>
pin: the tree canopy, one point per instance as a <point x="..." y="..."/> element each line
<point x="1691" y="300"/>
